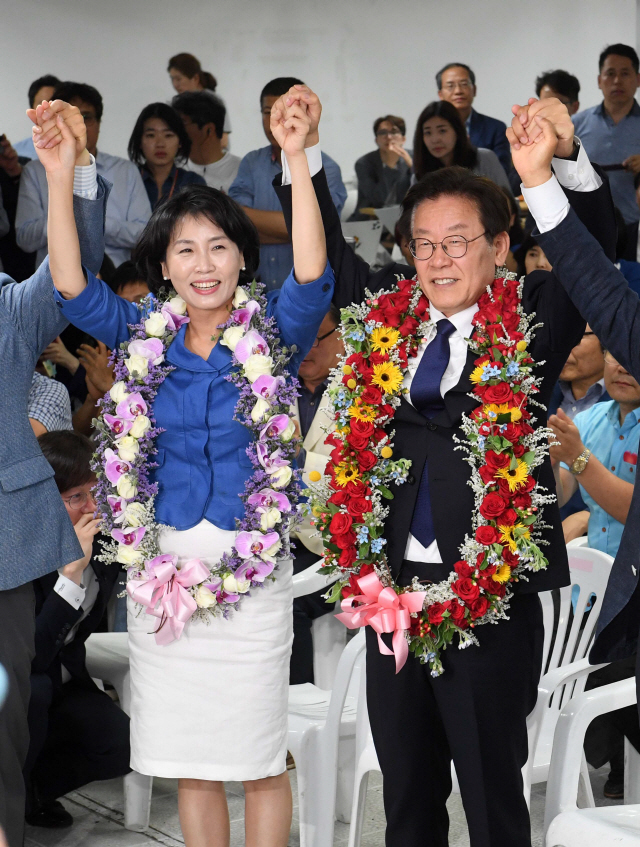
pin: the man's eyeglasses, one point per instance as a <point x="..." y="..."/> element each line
<point x="384" y="133"/>
<point x="455" y="246"/>
<point x="322" y="337"/>
<point x="609" y="359"/>
<point x="464" y="84"/>
<point x="76" y="501"/>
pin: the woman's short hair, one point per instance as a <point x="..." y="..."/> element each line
<point x="195" y="201"/>
<point x="394" y="120"/>
<point x="455" y="181"/>
<point x="69" y="454"/>
<point x="172" y="119"/>
<point x="464" y="153"/>
<point x="189" y="66"/>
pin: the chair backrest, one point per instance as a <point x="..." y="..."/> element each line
<point x="577" y="615"/>
<point x="349" y="664"/>
<point x="329" y="640"/>
<point x="583" y="541"/>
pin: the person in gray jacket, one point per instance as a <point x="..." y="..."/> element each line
<point x="36" y="535"/>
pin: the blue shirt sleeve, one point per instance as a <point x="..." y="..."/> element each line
<point x="299" y="310"/>
<point x="334" y="180"/>
<point x="242" y="189"/>
<point x="100" y="312"/>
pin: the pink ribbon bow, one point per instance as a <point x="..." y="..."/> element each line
<point x="385" y="611"/>
<point x="164" y="594"/>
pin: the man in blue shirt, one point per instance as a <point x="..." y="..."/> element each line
<point x="128" y="207"/>
<point x="610" y="131"/>
<point x="253" y="189"/>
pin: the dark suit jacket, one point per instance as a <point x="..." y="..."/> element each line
<point x="491" y="133"/>
<point x="372" y="190"/>
<point x="613" y="312"/>
<point x="416" y="438"/>
<point x="55" y="617"/>
<point x="631" y="246"/>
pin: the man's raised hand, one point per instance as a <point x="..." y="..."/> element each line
<point x="62" y="156"/>
<point x="527" y="129"/>
<point x="532" y="155"/>
<point x="47" y="133"/>
<point x="290" y="126"/>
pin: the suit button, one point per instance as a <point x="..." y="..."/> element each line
<point x="432" y="427"/>
<point x="411" y="479"/>
<point x="326" y="286"/>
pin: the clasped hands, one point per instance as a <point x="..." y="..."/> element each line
<point x="294" y="120"/>
<point x="539" y="131"/>
<point x="59" y="135"/>
<point x="567" y="445"/>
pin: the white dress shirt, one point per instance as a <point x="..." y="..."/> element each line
<point x="84" y="595"/>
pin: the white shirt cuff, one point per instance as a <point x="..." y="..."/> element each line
<point x="579" y="175"/>
<point x="314" y="160"/>
<point x="69" y="591"/>
<point x="547" y="203"/>
<point x="85" y="183"/>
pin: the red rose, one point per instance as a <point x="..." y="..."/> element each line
<point x="357" y="488"/>
<point x="422" y="307"/>
<point x="463" y="569"/>
<point x="365" y="570"/>
<point x="363" y="428"/>
<point x="358" y="442"/>
<point x="478" y="607"/>
<point x="489" y="313"/>
<point x="529" y="485"/>
<point x="339" y="498"/>
<point x="466" y="589"/>
<point x="408" y="326"/>
<point x="512" y="432"/>
<point x="486" y="474"/>
<point x="518" y="451"/>
<point x="366" y="460"/>
<point x="436" y="611"/>
<point x="480" y="559"/>
<point x="337" y="455"/>
<point x="347" y="558"/>
<point x="358" y="506"/>
<point x="458" y="615"/>
<point x="487" y="535"/>
<point x="346" y="540"/>
<point x="509" y="517"/>
<point x="511" y="320"/>
<point x="340" y="523"/>
<point x="496" y="588"/>
<point x="500" y="393"/>
<point x="503" y="488"/>
<point x="391" y="317"/>
<point x="492" y="506"/>
<point x="512" y="559"/>
<point x="497" y="460"/>
<point x="372" y="396"/>
<point x="379" y="434"/>
<point x="522" y="501"/>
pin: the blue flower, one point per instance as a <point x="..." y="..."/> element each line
<point x="377" y="544"/>
<point x="490" y="372"/>
<point x="513" y="369"/>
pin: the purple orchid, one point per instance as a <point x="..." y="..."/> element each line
<point x="133" y="406"/>
<point x="118" y="426"/>
<point x="270" y="462"/>
<point x="174" y="321"/>
<point x="131" y="537"/>
<point x="254" y="570"/>
<point x="118" y="505"/>
<point x="275" y="427"/>
<point x="243" y="315"/>
<point x="267" y="498"/>
<point x="251" y="344"/>
<point x="252" y="544"/>
<point x="151" y="348"/>
<point x="267" y="386"/>
<point x="114" y="466"/>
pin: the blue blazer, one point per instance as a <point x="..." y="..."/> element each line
<point x="202" y="459"/>
<point x="491" y="133"/>
<point x="612" y="310"/>
<point x="36" y="535"/>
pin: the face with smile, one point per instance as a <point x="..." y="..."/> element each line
<point x="453" y="285"/>
<point x="203" y="264"/>
<point x="439" y="139"/>
<point x="159" y="142"/>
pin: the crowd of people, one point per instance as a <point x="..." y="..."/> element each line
<point x="88" y="236"/>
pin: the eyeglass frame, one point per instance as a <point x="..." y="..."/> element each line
<point x="461" y="83"/>
<point x="320" y="338"/>
<point x="385" y="133"/>
<point x="612" y="361"/>
<point x="82" y="494"/>
<point x="436" y="244"/>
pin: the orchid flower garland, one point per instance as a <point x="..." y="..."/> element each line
<point x="126" y="447"/>
<point x="502" y="447"/>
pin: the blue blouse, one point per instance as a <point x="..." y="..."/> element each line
<point x="202" y="461"/>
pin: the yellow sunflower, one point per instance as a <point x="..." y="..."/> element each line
<point x="492" y="410"/>
<point x="346" y="473"/>
<point x="515" y="477"/>
<point x="362" y="413"/>
<point x="508" y="535"/>
<point x="476" y="375"/>
<point x="383" y="338"/>
<point x="388" y="376"/>
<point x="502" y="574"/>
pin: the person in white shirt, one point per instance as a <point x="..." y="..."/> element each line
<point x="128" y="207"/>
<point x="203" y="115"/>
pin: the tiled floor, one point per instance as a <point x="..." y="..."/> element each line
<point x="98" y="817"/>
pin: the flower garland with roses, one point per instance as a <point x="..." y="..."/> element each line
<point x="502" y="447"/>
<point x="125" y="496"/>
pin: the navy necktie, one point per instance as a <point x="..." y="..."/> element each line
<point x="427" y="399"/>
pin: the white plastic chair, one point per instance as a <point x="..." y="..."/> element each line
<point x="108" y="659"/>
<point x="350" y="204"/>
<point x="583" y="541"/>
<point x="565" y="824"/>
<point x="322" y="741"/>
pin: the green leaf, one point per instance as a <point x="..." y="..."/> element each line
<point x="332" y="547"/>
<point x="336" y="591"/>
<point x="363" y="551"/>
<point x="529" y="457"/>
<point x="385" y="492"/>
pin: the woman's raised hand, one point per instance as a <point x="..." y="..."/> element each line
<point x="47" y="130"/>
<point x="290" y="126"/>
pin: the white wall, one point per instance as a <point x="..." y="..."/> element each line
<point x="364" y="57"/>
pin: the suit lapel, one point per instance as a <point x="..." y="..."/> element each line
<point x="457" y="401"/>
<point x="316" y="435"/>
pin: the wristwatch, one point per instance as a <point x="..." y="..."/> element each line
<point x="580" y="463"/>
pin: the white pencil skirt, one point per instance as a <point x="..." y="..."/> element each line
<point x="213" y="704"/>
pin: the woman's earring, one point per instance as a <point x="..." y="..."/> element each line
<point x="243" y="268"/>
<point x="166" y="278"/>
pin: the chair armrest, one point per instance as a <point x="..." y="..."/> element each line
<point x="309" y="580"/>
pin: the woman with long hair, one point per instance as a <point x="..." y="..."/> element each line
<point x="440" y="140"/>
<point x="157" y="142"/>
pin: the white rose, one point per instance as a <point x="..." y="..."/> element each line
<point x="137" y="365"/>
<point x="177" y="306"/>
<point x="236" y="586"/>
<point x="257" y="365"/>
<point x="270" y="552"/>
<point x="141" y="426"/>
<point x="118" y="392"/>
<point x="240" y="297"/>
<point x="205" y="598"/>
<point x="128" y="556"/>
<point x="126" y="487"/>
<point x="269" y="519"/>
<point x="259" y="410"/>
<point x="155" y="325"/>
<point x="289" y="432"/>
<point x="231" y="336"/>
<point x="281" y="477"/>
<point x="134" y="515"/>
<point x="128" y="448"/>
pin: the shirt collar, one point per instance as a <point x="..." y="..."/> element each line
<point x="461" y="320"/>
<point x="219" y="361"/>
<point x="597" y="388"/>
<point x="635" y="110"/>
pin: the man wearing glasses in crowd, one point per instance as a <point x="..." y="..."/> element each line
<point x="128" y="208"/>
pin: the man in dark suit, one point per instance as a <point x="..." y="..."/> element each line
<point x="77" y="733"/>
<point x="631" y="249"/>
<point x="475" y="713"/>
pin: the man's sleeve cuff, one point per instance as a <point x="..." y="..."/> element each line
<point x="579" y="175"/>
<point x="85" y="183"/>
<point x="69" y="591"/>
<point x="547" y="203"/>
<point x="314" y="160"/>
